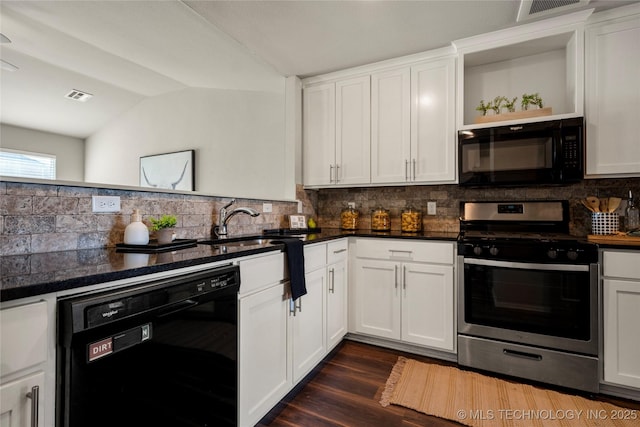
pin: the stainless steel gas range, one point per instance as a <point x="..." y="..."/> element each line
<point x="528" y="294"/>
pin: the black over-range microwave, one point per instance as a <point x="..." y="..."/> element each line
<point x="548" y="152"/>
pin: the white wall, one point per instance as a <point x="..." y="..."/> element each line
<point x="238" y="136"/>
<point x="69" y="151"/>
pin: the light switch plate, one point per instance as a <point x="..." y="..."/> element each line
<point x="431" y="208"/>
<point x="105" y="203"/>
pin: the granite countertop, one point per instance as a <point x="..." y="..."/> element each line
<point x="28" y="275"/>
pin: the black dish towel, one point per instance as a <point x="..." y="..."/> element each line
<point x="295" y="260"/>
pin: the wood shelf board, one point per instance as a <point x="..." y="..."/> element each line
<point x="516" y="115"/>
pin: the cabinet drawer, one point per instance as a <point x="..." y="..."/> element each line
<point x="337" y="251"/>
<point x="621" y="264"/>
<point x="406" y="250"/>
<point x="315" y="256"/>
<point x="24" y="336"/>
<point x="256" y="273"/>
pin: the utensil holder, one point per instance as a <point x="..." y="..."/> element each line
<point x="604" y="223"/>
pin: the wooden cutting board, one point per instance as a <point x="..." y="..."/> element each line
<point x="615" y="239"/>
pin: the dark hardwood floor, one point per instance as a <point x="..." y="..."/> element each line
<point x="346" y="390"/>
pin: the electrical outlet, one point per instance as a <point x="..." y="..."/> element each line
<point x="105" y="203"/>
<point x="352" y="205"/>
<point x="299" y="206"/>
<point x="267" y="207"/>
<point x="431" y="208"/>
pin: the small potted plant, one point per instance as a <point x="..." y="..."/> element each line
<point x="510" y="105"/>
<point x="483" y="108"/>
<point x="164" y="228"/>
<point x="533" y="99"/>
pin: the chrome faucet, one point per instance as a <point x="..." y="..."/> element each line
<point x="221" y="229"/>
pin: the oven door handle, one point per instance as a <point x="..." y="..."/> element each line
<point x="527" y="265"/>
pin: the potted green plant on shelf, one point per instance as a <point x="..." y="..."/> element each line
<point x="163" y="228"/>
<point x="533" y="99"/>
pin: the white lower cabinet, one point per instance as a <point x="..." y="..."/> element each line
<point x="308" y="326"/>
<point x="280" y="342"/>
<point x="27" y="386"/>
<point x="400" y="299"/>
<point x="621" y="309"/>
<point x="264" y="354"/>
<point x="336" y="292"/>
<point x="264" y="338"/>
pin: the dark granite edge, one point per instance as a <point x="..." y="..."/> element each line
<point x="14" y="293"/>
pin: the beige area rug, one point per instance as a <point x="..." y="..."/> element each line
<point x="478" y="400"/>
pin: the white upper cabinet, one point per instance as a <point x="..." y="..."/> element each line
<point x="390" y="125"/>
<point x="353" y="131"/>
<point x="336" y="133"/>
<point x="413" y="124"/>
<point x="433" y="132"/>
<point x="319" y="135"/>
<point x="613" y="94"/>
<point x="544" y="57"/>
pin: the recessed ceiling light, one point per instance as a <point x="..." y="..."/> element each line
<point x="78" y="95"/>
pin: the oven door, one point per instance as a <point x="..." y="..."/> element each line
<point x="547" y="305"/>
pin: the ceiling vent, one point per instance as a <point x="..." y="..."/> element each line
<point x="531" y="9"/>
<point x="78" y="95"/>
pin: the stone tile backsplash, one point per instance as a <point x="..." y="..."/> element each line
<point x="448" y="197"/>
<point x="36" y="218"/>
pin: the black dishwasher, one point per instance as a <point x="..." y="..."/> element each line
<point x="162" y="353"/>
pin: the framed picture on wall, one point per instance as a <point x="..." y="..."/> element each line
<point x="172" y="171"/>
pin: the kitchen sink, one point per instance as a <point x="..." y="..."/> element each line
<point x="239" y="241"/>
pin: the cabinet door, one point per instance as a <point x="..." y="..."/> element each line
<point x="353" y="131"/>
<point x="377" y="298"/>
<point x="621" y="343"/>
<point x="390" y="126"/>
<point x="336" y="303"/>
<point x="264" y="365"/>
<point x="15" y="406"/>
<point x="433" y="133"/>
<point x="308" y="326"/>
<point x="319" y="137"/>
<point x="427" y="305"/>
<point x="613" y="97"/>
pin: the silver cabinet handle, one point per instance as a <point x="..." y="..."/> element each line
<point x="339" y="251"/>
<point x="404" y="279"/>
<point x="332" y="288"/>
<point x="406" y="170"/>
<point x="330" y="174"/>
<point x="396" y="275"/>
<point x="34" y="395"/>
<point x="337" y="174"/>
<point x="402" y="252"/>
<point x="299" y="305"/>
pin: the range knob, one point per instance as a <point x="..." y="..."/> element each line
<point x="477" y="250"/>
<point x="572" y="254"/>
<point x="552" y="253"/>
<point x="493" y="250"/>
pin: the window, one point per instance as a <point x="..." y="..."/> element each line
<point x="27" y="165"/>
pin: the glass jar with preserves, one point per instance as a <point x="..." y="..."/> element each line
<point x="411" y="220"/>
<point x="349" y="219"/>
<point x="380" y="219"/>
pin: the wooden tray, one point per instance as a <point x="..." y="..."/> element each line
<point x="615" y="239"/>
<point x="154" y="246"/>
<point x="516" y="115"/>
